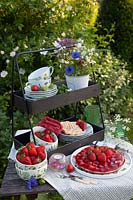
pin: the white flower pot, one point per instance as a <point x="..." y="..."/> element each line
<point x="77" y="82"/>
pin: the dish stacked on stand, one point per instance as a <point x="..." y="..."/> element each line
<point x="39" y="84"/>
<point x="39" y="94"/>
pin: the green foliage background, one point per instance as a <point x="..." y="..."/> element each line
<point x="31" y="24"/>
<point x="120" y="14"/>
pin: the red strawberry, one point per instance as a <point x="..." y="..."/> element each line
<point x="25" y="151"/>
<point x="26" y="160"/>
<point x="32" y="158"/>
<point x="101" y="157"/>
<point x="18" y="157"/>
<point x="30" y="144"/>
<point x="83" y="125"/>
<point x="92" y="156"/>
<point x="47" y="131"/>
<point x="48" y="138"/>
<point x="96" y="150"/>
<point x="91" y="167"/>
<point x="36" y="160"/>
<point x="42" y="155"/>
<point x="70" y="168"/>
<point x="39" y="134"/>
<point x="32" y="151"/>
<point x="78" y="121"/>
<point x="108" y="153"/>
<point x="40" y="149"/>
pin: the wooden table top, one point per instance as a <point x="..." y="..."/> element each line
<point x="12" y="185"/>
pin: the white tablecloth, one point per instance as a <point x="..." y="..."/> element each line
<point x="119" y="188"/>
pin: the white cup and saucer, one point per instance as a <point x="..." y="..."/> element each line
<point x="40" y="77"/>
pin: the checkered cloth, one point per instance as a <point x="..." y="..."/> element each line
<point x="118" y="188"/>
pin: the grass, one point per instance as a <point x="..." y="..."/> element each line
<point x="46" y="196"/>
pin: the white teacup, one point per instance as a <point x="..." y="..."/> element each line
<point x="39" y="82"/>
<point x="41" y="73"/>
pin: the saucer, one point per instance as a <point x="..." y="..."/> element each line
<point x="36" y="96"/>
<point x="28" y="90"/>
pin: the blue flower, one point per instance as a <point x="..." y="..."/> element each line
<point x="75" y="54"/>
<point x="69" y="70"/>
<point x="31" y="183"/>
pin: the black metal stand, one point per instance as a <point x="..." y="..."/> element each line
<point x="15" y="66"/>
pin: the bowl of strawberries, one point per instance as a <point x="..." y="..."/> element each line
<point x="45" y="137"/>
<point x="31" y="161"/>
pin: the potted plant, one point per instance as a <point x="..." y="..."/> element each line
<point x="76" y="61"/>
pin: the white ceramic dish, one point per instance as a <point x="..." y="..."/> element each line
<point x="28" y="90"/>
<point x="43" y="72"/>
<point x="29" y="173"/>
<point x="50" y="146"/>
<point x="68" y="138"/>
<point x="30" y="167"/>
<point x="39" y="96"/>
<point x="124" y="169"/>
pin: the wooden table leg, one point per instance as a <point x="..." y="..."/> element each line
<point x="31" y="196"/>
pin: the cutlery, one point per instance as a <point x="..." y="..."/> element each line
<point x="77" y="178"/>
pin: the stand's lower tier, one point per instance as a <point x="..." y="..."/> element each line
<point x="67" y="149"/>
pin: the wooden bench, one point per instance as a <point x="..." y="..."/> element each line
<point x="13" y="186"/>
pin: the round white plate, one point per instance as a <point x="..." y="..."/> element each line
<point x="28" y="90"/>
<point x="124" y="169"/>
<point x="70" y="138"/>
<point x="41" y="94"/>
<point x="29" y="96"/>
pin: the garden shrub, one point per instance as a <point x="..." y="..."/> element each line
<point x="28" y="25"/>
<point x="119" y="14"/>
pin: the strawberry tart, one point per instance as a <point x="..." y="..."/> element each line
<point x="99" y="159"/>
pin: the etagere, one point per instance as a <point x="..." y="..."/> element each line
<point x="19" y="101"/>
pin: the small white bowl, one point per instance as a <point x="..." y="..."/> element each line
<point x="50" y="146"/>
<point x="30" y="167"/>
<point x="29" y="173"/>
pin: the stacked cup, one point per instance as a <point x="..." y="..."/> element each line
<point x="41" y="77"/>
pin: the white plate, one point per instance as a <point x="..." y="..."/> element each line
<point x="35" y="97"/>
<point x="124" y="169"/>
<point x="70" y="138"/>
<point x="28" y="90"/>
<point x="41" y="94"/>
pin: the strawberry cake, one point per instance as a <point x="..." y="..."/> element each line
<point x="99" y="159"/>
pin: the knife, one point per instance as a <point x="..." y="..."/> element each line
<point x="78" y="179"/>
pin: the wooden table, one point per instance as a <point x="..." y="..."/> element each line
<point x="13" y="186"/>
